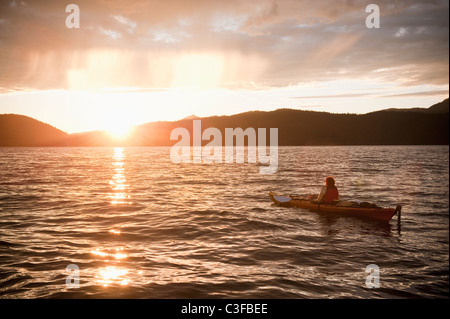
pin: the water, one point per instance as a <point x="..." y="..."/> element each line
<point x="139" y="226"/>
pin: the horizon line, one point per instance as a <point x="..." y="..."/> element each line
<point x="195" y="117"/>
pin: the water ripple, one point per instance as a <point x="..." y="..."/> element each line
<point x="139" y="226"/>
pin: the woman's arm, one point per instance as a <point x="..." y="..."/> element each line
<point x="322" y="194"/>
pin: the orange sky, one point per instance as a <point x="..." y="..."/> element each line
<point x="139" y="61"/>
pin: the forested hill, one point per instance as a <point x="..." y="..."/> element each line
<point x="389" y="127"/>
<point x="295" y="127"/>
<point x="20" y="130"/>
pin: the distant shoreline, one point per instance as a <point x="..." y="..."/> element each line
<point x="295" y="128"/>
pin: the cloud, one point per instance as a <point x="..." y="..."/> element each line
<point x="416" y="94"/>
<point x="375" y="94"/>
<point x="333" y="96"/>
<point x="160" y="44"/>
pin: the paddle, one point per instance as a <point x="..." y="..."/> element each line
<point x="282" y="199"/>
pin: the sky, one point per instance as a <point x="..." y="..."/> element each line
<point x="136" y="61"/>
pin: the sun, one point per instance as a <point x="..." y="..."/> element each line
<point x="120" y="131"/>
<point x="117" y="125"/>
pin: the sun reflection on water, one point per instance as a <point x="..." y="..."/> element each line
<point x="115" y="254"/>
<point x="112" y="275"/>
<point x="114" y="272"/>
<point x="118" y="183"/>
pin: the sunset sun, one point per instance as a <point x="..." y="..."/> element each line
<point x="120" y="131"/>
<point x="118" y="126"/>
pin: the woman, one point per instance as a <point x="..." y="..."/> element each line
<point x="329" y="192"/>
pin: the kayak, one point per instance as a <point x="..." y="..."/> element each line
<point x="341" y="207"/>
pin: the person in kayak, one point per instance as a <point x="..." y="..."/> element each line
<point x="329" y="193"/>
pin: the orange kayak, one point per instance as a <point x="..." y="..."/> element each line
<point x="341" y="208"/>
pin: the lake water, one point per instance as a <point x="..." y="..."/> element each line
<point x="139" y="226"/>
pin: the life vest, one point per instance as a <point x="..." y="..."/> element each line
<point x="331" y="195"/>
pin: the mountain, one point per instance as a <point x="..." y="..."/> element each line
<point x="439" y="108"/>
<point x="20" y="130"/>
<point x="191" y="117"/>
<point x="295" y="127"/>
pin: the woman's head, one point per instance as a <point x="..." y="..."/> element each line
<point x="329" y="181"/>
